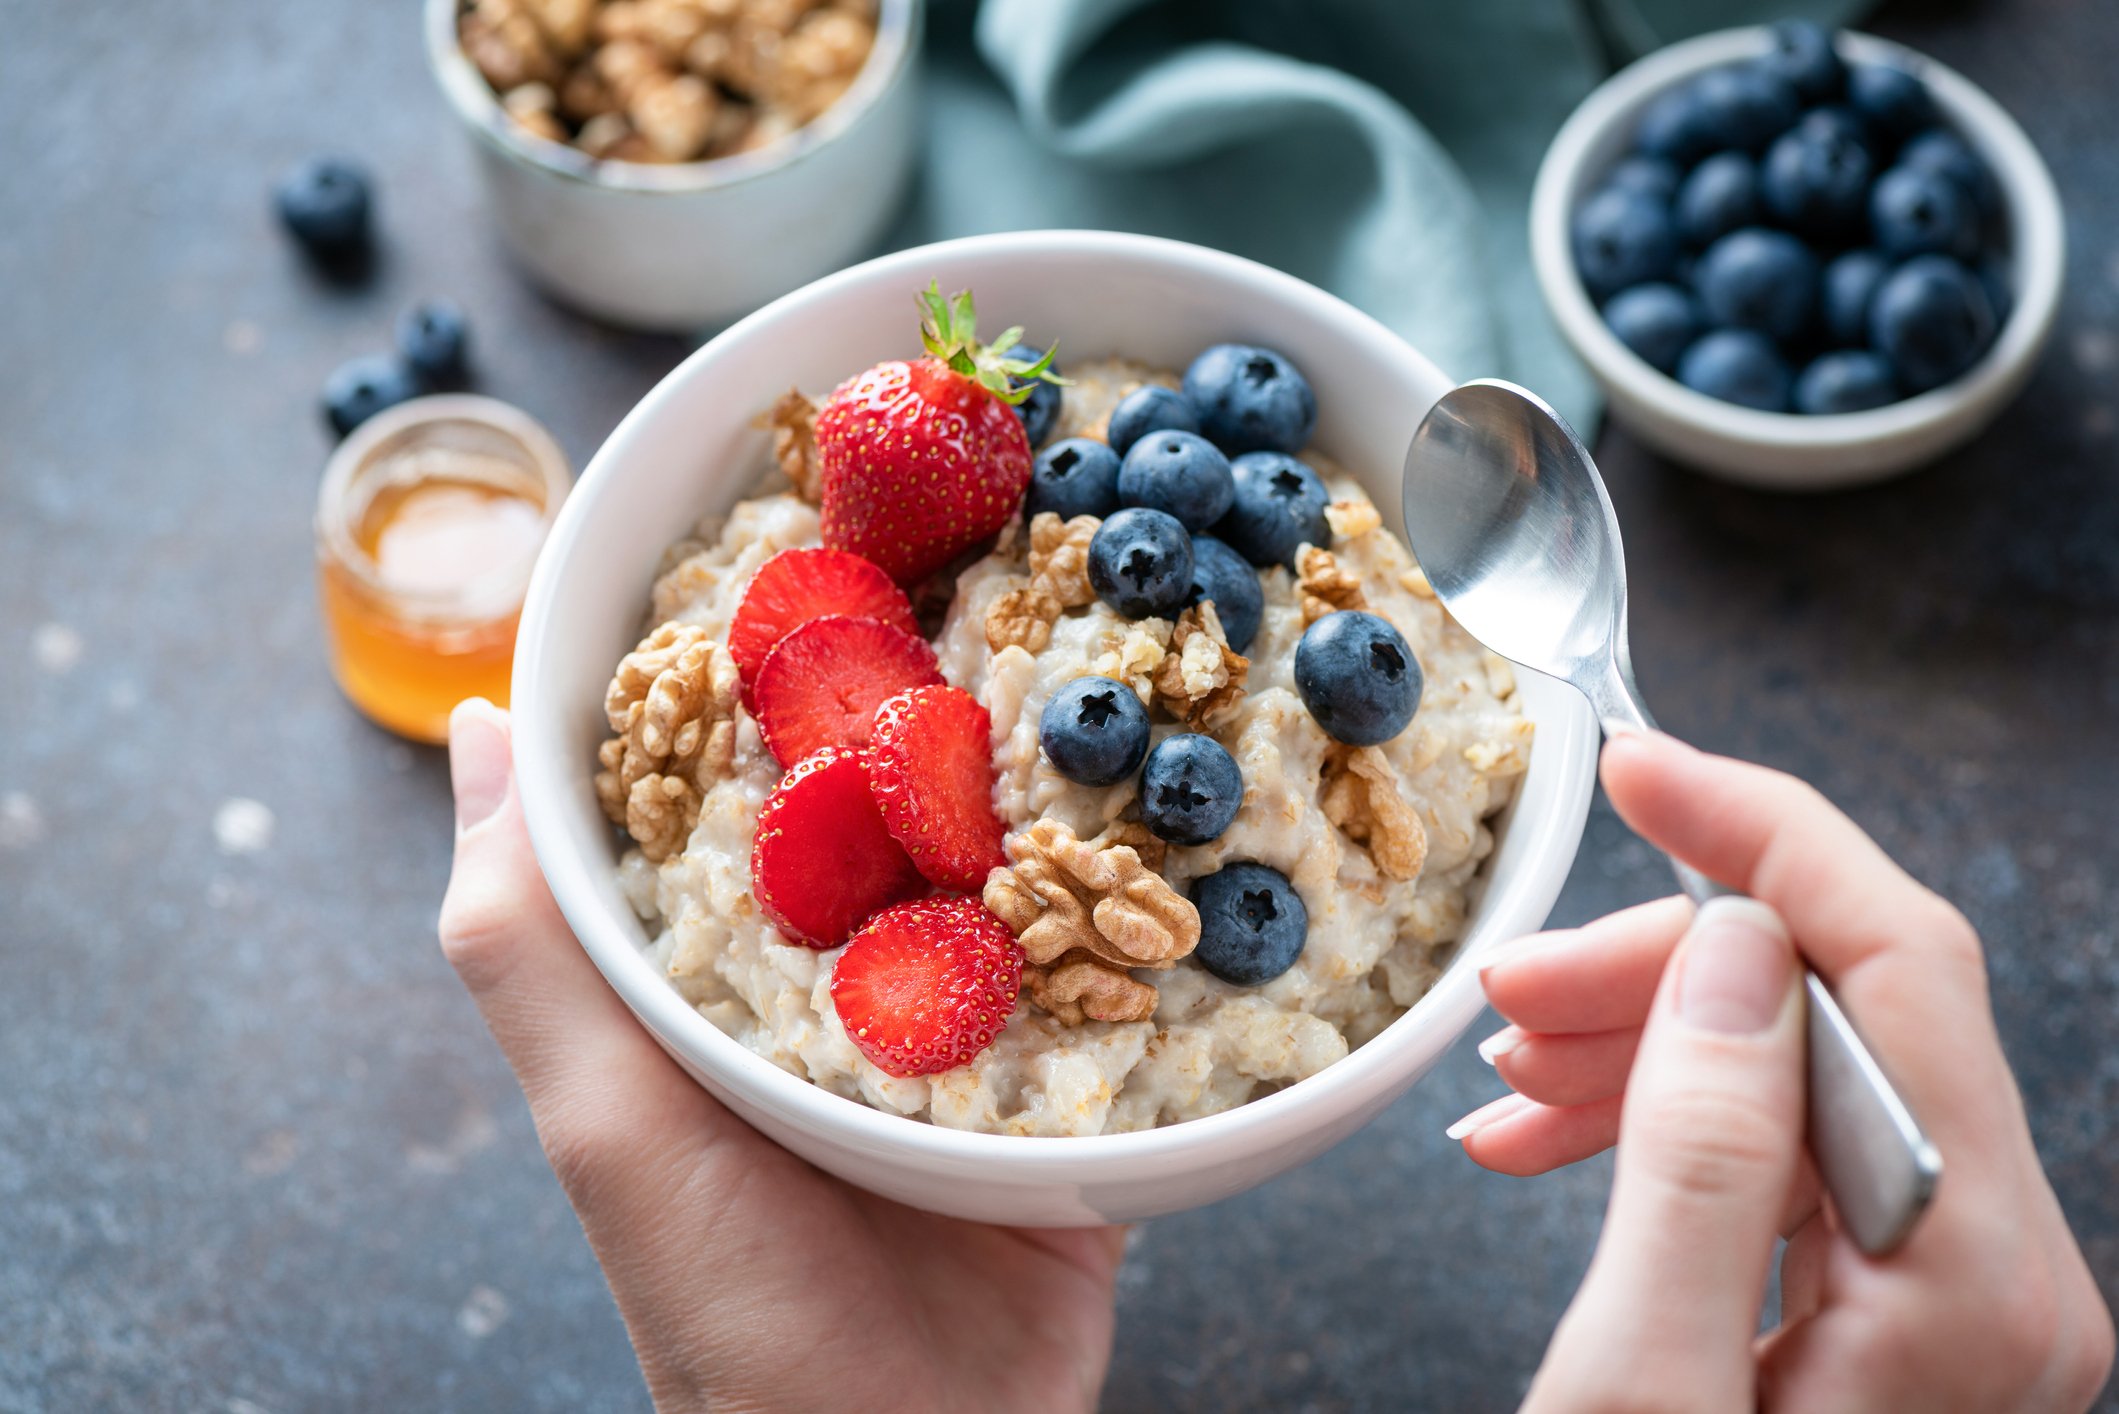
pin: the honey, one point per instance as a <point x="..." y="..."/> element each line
<point x="429" y="521"/>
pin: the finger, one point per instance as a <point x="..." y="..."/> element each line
<point x="1599" y="977"/>
<point x="1803" y="1268"/>
<point x="1562" y="1070"/>
<point x="608" y="1103"/>
<point x="1708" y="1143"/>
<point x="1521" y="1138"/>
<point x="1905" y="965"/>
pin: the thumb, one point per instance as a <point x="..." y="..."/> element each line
<point x="1709" y="1144"/>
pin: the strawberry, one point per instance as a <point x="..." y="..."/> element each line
<point x="920" y="461"/>
<point x="926" y="986"/>
<point x="931" y="769"/>
<point x="796" y="586"/>
<point x="821" y="683"/>
<point x="821" y="862"/>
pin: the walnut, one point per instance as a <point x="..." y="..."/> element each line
<point x="1080" y="988"/>
<point x="671" y="26"/>
<point x="606" y="135"/>
<point x="793" y="420"/>
<point x="564" y="23"/>
<point x="1350" y="519"/>
<point x="531" y="105"/>
<point x="1059" y="581"/>
<point x="507" y="44"/>
<point x="584" y="95"/>
<point x="1136" y="837"/>
<point x="1081" y="905"/>
<point x="672" y="703"/>
<point x="1364" y="798"/>
<point x="818" y="61"/>
<point x="675" y="114"/>
<point x="1325" y="584"/>
<point x="1201" y="678"/>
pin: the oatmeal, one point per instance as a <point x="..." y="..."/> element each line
<point x="1127" y="1018"/>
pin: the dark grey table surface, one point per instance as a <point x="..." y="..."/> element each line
<point x="256" y="1151"/>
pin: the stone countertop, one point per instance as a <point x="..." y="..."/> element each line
<point x="256" y="1151"/>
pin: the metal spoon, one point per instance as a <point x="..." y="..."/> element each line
<point x="1509" y="519"/>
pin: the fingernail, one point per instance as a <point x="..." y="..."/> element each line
<point x="1501" y="1043"/>
<point x="478" y="760"/>
<point x="1516" y="949"/>
<point x="1486" y="1115"/>
<point x="1738" y="965"/>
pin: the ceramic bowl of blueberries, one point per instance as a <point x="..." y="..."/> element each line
<point x="693" y="446"/>
<point x="1799" y="258"/>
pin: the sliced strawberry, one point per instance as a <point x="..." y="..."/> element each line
<point x="821" y="862"/>
<point x="926" y="986"/>
<point x="821" y="683"/>
<point x="931" y="768"/>
<point x="796" y="586"/>
<point x="918" y="462"/>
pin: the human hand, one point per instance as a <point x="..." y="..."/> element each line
<point x="747" y="1279"/>
<point x="1680" y="1036"/>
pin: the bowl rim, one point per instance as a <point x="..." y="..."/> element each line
<point x="898" y="27"/>
<point x="543" y="772"/>
<point x="2037" y="254"/>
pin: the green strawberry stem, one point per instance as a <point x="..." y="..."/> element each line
<point x="949" y="331"/>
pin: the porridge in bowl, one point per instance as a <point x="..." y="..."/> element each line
<point x="1068" y="791"/>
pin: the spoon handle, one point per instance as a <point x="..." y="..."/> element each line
<point x="1879" y="1167"/>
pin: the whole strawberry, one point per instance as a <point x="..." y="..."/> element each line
<point x="920" y="461"/>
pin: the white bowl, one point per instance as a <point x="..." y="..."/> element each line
<point x="1786" y="450"/>
<point x="690" y="448"/>
<point x="689" y="245"/>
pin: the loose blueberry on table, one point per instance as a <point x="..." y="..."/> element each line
<point x="324" y="204"/>
<point x="434" y="340"/>
<point x="362" y="387"/>
<point x="1812" y="209"/>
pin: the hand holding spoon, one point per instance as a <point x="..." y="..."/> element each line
<point x="1507" y="515"/>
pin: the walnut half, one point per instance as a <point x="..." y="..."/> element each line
<point x="1325" y="584"/>
<point x="672" y="703"/>
<point x="793" y="421"/>
<point x="1059" y="581"/>
<point x="1364" y="798"/>
<point x="1082" y="906"/>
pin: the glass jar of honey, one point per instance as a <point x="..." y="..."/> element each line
<point x="429" y="520"/>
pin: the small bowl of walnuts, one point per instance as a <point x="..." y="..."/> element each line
<point x="673" y="164"/>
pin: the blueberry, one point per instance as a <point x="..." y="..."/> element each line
<point x="1279" y="508"/>
<point x="434" y="340"/>
<point x="1140" y="563"/>
<point x="1844" y="294"/>
<point x="1656" y="321"/>
<point x="1893" y="103"/>
<point x="1179" y="472"/>
<point x="324" y="202"/>
<point x="1913" y="212"/>
<point x="1094" y="731"/>
<point x="1738" y="366"/>
<point x="1721" y="194"/>
<point x="1933" y="319"/>
<point x="1758" y="279"/>
<point x="1041" y="409"/>
<point x="1944" y="153"/>
<point x="1674" y="128"/>
<point x="1622" y="238"/>
<point x="1816" y="180"/>
<point x="1252" y="923"/>
<point x="1149" y="408"/>
<point x="359" y="389"/>
<point x="1804" y="55"/>
<point x="1745" y="106"/>
<point x="1653" y="177"/>
<point x="1836" y="120"/>
<point x="1850" y="380"/>
<point x="2000" y="285"/>
<point x="1222" y="575"/>
<point x="1190" y="789"/>
<point x="1358" y="677"/>
<point x="1250" y="399"/>
<point x="1076" y="476"/>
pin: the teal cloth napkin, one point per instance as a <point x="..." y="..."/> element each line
<point x="1383" y="149"/>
